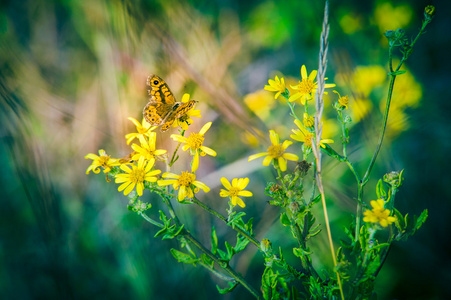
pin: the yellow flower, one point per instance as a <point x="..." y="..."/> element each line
<point x="277" y="152"/>
<point x="307" y="87"/>
<point x="388" y="17"/>
<point x="195" y="143"/>
<point x="136" y="176"/>
<point x="342" y="101"/>
<point x="309" y="121"/>
<point x="276" y="86"/>
<point x="185" y="120"/>
<point x="143" y="129"/>
<point x="378" y="214"/>
<point x="235" y="190"/>
<point x="305" y="136"/>
<point x="185" y="183"/>
<point x="260" y="102"/>
<point x="101" y="160"/>
<point x="147" y="149"/>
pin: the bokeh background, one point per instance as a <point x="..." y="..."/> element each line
<point x="72" y="72"/>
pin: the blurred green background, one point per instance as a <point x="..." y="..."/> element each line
<point x="72" y="72"/>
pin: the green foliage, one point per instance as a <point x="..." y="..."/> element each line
<point x="183" y="257"/>
<point x="368" y="238"/>
<point x="169" y="231"/>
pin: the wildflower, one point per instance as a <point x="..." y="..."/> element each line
<point x="308" y="121"/>
<point x="260" y="102"/>
<point x="101" y="160"/>
<point x="305" y="136"/>
<point x="235" y="190"/>
<point x="147" y="149"/>
<point x="276" y="151"/>
<point x="276" y="86"/>
<point x="195" y="143"/>
<point x="342" y="101"/>
<point x="185" y="183"/>
<point x="185" y="120"/>
<point x="307" y="87"/>
<point x="378" y="214"/>
<point x="136" y="176"/>
<point x="143" y="129"/>
<point x="429" y="12"/>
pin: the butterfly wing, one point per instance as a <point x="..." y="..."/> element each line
<point x="178" y="110"/>
<point x="161" y="101"/>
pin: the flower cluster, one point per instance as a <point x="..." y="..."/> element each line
<point x="136" y="171"/>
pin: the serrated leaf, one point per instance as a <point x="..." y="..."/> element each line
<point x="183" y="257"/>
<point x="284" y="219"/>
<point x="232" y="285"/>
<point x="214" y="241"/>
<point x="241" y="243"/>
<point x="421" y="219"/>
<point x="269" y="282"/>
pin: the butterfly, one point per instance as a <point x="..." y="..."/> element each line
<point x="162" y="108"/>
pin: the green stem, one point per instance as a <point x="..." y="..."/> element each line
<point x="207" y="252"/>
<point x="224" y="219"/>
<point x="150" y="220"/>
<point x="227" y="268"/>
<point x="291" y="107"/>
<point x="359" y="211"/>
<point x="384" y="127"/>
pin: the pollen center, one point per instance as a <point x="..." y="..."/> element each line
<point x="306" y="86"/>
<point x="195" y="140"/>
<point x="233" y="192"/>
<point x="308" y="140"/>
<point x="275" y="150"/>
<point x="137" y="175"/>
<point x="142" y="129"/>
<point x="103" y="161"/>
<point x="186" y="178"/>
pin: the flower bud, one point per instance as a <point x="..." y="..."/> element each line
<point x="302" y="168"/>
<point x="429" y="12"/>
<point x="266" y="246"/>
<point x="394" y="178"/>
<point x="293" y="207"/>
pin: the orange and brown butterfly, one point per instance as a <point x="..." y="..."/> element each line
<point x="162" y="108"/>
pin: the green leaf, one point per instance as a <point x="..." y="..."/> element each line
<point x="241" y="243"/>
<point x="301" y="252"/>
<point x="269" y="282"/>
<point x="214" y="241"/>
<point x="284" y="219"/>
<point x="379" y="246"/>
<point x="332" y="153"/>
<point x="183" y="257"/>
<point x="315" y="200"/>
<point x="230" y="250"/>
<point x="421" y="219"/>
<point x="380" y="190"/>
<point x="232" y="285"/>
<point x="399" y="220"/>
<point x="207" y="260"/>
